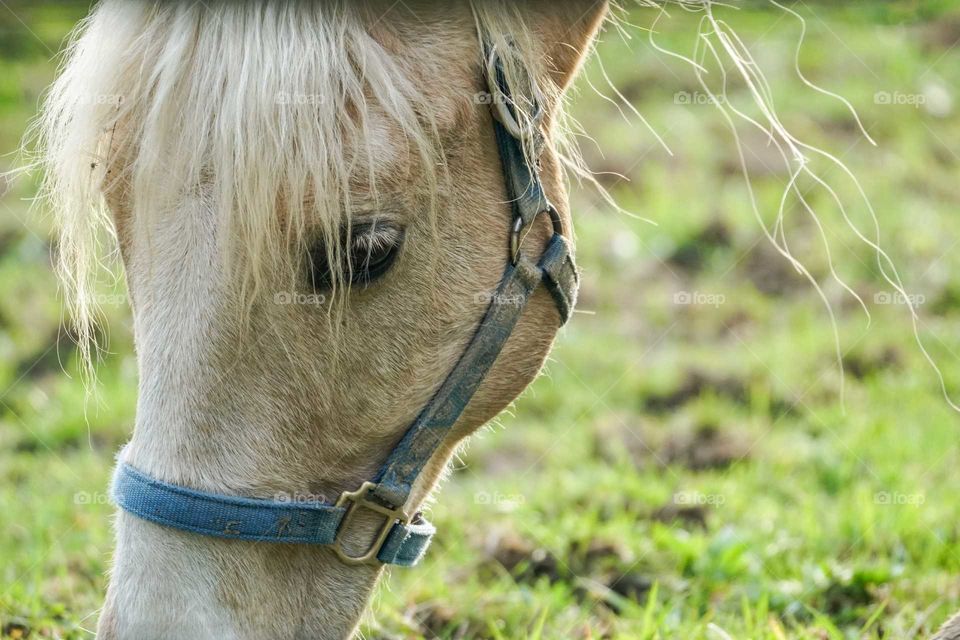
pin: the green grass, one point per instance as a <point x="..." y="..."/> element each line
<point x="681" y="469"/>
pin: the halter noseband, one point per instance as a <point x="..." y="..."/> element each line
<point x="401" y="539"/>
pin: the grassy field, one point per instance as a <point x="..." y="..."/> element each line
<point x="686" y="468"/>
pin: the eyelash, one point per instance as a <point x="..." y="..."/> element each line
<point x="373" y="250"/>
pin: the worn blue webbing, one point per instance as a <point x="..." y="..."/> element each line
<point x="253" y="519"/>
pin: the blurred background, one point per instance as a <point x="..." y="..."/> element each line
<point x="687" y="468"/>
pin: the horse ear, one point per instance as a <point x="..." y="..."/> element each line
<point x="566" y="29"/>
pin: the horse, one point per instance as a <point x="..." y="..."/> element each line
<point x="346" y="238"/>
<point x="347" y="241"/>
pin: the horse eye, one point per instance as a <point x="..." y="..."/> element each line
<point x="370" y="251"/>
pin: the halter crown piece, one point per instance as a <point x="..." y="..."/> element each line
<point x="401" y="539"/>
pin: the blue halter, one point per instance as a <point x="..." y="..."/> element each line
<point x="223" y="516"/>
<point x="401" y="539"/>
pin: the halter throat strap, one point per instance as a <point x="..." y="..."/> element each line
<point x="401" y="539"/>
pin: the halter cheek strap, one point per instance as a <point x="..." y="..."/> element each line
<point x="400" y="539"/>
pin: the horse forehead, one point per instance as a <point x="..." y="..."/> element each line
<point x="453" y="113"/>
<point x="442" y="59"/>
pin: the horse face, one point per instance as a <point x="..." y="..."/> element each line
<point x="297" y="305"/>
<point x="312" y="217"/>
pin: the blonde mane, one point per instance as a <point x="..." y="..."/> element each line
<point x="267" y="109"/>
<point x="254" y="106"/>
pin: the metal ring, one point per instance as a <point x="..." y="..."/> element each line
<point x="555" y="219"/>
<point x="500" y="102"/>
<point x="515" y="239"/>
<point x="518" y="227"/>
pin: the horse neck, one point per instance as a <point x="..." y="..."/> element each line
<point x="166" y="581"/>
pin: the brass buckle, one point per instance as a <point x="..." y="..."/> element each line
<point x="359" y="499"/>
